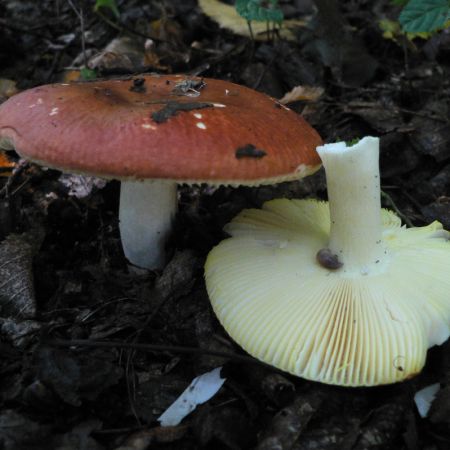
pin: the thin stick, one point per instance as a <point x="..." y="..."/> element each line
<point x="150" y="348"/>
<point x="79" y="14"/>
<point x="391" y="202"/>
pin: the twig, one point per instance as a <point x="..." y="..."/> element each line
<point x="25" y="30"/>
<point x="374" y="105"/>
<point x="122" y="27"/>
<point x="391" y="202"/>
<point x="4" y="191"/>
<point x="79" y="14"/>
<point x="266" y="68"/>
<point x="151" y="348"/>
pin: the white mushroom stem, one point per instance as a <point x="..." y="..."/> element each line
<point x="353" y="181"/>
<point x="146" y="212"/>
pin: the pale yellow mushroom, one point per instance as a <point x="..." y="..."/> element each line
<point x="362" y="313"/>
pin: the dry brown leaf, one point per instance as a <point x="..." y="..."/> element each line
<point x="151" y="58"/>
<point x="71" y="75"/>
<point x="308" y="93"/>
<point x="6" y="166"/>
<point x="227" y="17"/>
<point x="123" y="52"/>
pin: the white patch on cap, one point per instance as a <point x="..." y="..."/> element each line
<point x="32" y="106"/>
<point x="65" y="84"/>
<point x="148" y="126"/>
<point x="54" y="111"/>
<point x="227" y="91"/>
<point x="219" y="105"/>
<point x="198" y="115"/>
<point x="201" y="125"/>
<point x="40" y="101"/>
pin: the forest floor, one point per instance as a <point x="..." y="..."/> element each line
<point x="63" y="275"/>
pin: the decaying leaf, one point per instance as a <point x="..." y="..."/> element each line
<point x="19" y="432"/>
<point x="80" y="186"/>
<point x="71" y="75"/>
<point x="227" y="17"/>
<point x="7" y="88"/>
<point x="74" y="377"/>
<point x="16" y="274"/>
<point x="288" y="424"/>
<point x="432" y="133"/>
<point x="382" y="116"/>
<point x="141" y="440"/>
<point x="19" y="332"/>
<point x="6" y="165"/>
<point x="123" y="52"/>
<point x="308" y="93"/>
<point x="79" y="437"/>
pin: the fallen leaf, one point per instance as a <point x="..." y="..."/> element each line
<point x="308" y="93"/>
<point x="80" y="186"/>
<point x="71" y="75"/>
<point x="382" y="116"/>
<point x="123" y="52"/>
<point x="141" y="440"/>
<point x="7" y="88"/>
<point x="79" y="437"/>
<point x="20" y="332"/>
<point x="227" y="17"/>
<point x="17" y="431"/>
<point x="289" y="423"/>
<point x="16" y="274"/>
<point x="6" y="165"/>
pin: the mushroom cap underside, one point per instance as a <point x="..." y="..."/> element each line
<point x="277" y="302"/>
<point x="165" y="127"/>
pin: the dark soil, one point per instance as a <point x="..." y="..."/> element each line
<point x="63" y="275"/>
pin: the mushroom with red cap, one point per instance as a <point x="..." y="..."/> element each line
<point x="153" y="132"/>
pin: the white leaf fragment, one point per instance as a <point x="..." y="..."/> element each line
<point x="424" y="398"/>
<point x="199" y="391"/>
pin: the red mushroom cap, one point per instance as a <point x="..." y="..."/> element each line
<point x="164" y="127"/>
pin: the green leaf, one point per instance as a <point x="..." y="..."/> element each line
<point x="110" y="4"/>
<point x="259" y="10"/>
<point x="88" y="74"/>
<point x="352" y="142"/>
<point x="424" y="15"/>
<point x="399" y="2"/>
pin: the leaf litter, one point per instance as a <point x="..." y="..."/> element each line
<point x="69" y="281"/>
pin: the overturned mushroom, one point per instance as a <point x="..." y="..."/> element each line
<point x="152" y="132"/>
<point x="338" y="293"/>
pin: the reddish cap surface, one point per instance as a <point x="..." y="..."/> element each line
<point x="173" y="127"/>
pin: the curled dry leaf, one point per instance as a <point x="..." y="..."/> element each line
<point x="308" y="93"/>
